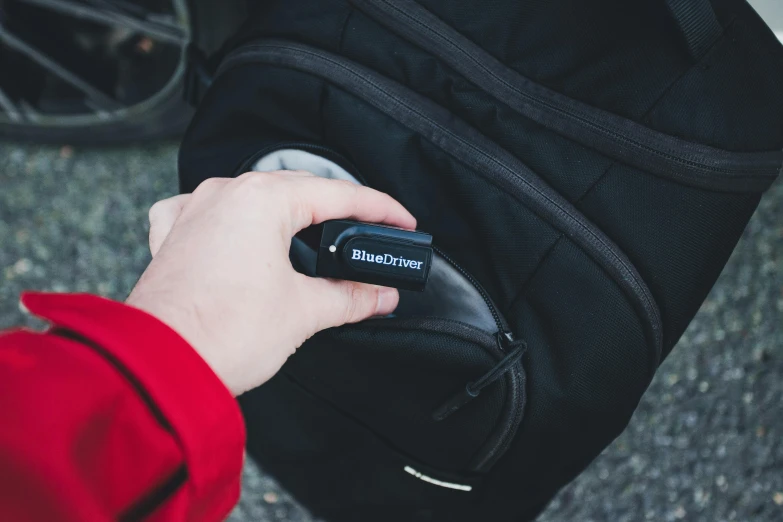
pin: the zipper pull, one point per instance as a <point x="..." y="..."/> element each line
<point x="515" y="350"/>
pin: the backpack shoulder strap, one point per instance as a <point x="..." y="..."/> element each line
<point x="698" y="24"/>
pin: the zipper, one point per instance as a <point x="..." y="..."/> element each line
<point x="328" y="153"/>
<point x="463" y="142"/>
<point x="620" y="138"/>
<point x="504" y="330"/>
<point x="500" y="440"/>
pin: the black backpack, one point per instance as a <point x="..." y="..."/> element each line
<point x="585" y="168"/>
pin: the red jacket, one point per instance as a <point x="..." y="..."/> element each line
<point x="111" y="415"/>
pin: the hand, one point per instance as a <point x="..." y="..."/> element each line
<point x="221" y="277"/>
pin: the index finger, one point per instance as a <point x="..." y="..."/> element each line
<point x="323" y="199"/>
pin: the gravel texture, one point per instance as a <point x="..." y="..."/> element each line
<point x="705" y="445"/>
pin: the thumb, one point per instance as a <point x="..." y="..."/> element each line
<point x="163" y="215"/>
<point x="340" y="302"/>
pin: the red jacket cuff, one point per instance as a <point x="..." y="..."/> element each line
<point x="200" y="411"/>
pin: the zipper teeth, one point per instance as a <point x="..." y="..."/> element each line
<point x="543" y="103"/>
<point x="236" y="58"/>
<point x="484" y="294"/>
<point x="479" y="336"/>
<point x="510" y="426"/>
<point x="392" y="10"/>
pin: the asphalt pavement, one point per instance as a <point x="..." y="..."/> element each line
<point x="705" y="445"/>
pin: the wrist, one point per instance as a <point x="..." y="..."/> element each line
<point x="180" y="317"/>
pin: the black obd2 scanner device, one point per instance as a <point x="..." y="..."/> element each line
<point x="376" y="254"/>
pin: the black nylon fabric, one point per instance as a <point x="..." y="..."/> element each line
<point x="326" y="457"/>
<point x="678" y="233"/>
<point x="611" y="53"/>
<point x="698" y="24"/>
<point x="723" y="80"/>
<point x="589" y="282"/>
<point x="545" y="152"/>
<point x="398" y="367"/>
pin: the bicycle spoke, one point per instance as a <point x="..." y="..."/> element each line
<point x="28" y="112"/>
<point x="100" y="99"/>
<point x="114" y="24"/>
<point x="106" y="13"/>
<point x="9" y="107"/>
<point x="136" y="10"/>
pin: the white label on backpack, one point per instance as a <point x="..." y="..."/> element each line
<point x="425" y="478"/>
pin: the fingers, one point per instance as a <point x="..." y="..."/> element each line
<point x="163" y="215"/>
<point x="314" y="200"/>
<point x="322" y="199"/>
<point x="335" y="303"/>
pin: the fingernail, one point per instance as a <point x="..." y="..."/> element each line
<point x="387" y="300"/>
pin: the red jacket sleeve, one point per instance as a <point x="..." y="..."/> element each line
<point x="111" y="415"/>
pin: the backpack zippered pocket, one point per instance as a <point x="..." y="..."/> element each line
<point x="453" y="304"/>
<point x="617" y="137"/>
<point x="402" y="371"/>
